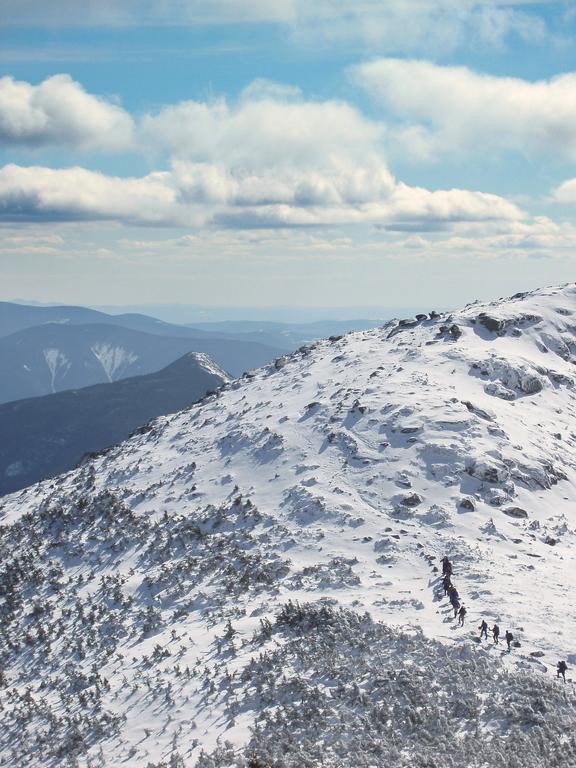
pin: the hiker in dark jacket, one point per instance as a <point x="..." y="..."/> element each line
<point x="508" y="637"/>
<point x="452" y="592"/>
<point x="455" y="604"/>
<point x="483" y="630"/>
<point x="446" y="583"/>
<point x="496" y="632"/>
<point x="446" y="566"/>
<point x="461" y="615"/>
<point x="561" y="668"/>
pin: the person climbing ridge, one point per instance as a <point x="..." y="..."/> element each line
<point x="446" y="566"/>
<point x="446" y="583"/>
<point x="454" y="599"/>
<point x="456" y="605"/>
<point x="452" y="592"/>
<point x="508" y="637"/>
<point x="483" y="630"/>
<point x="495" y="633"/>
<point x="461" y="615"/>
<point x="561" y="668"/>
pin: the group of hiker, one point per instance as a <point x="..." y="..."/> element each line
<point x="460" y="611"/>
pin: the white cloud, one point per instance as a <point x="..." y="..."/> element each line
<point x="35" y="193"/>
<point x="264" y="128"/>
<point x="58" y="111"/>
<point x="453" y="108"/>
<point x="409" y="26"/>
<point x="391" y="26"/>
<point x="269" y="160"/>
<point x="565" y="193"/>
<point x="272" y="148"/>
<point x="163" y="199"/>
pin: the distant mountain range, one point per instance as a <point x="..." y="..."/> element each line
<point x="51" y="349"/>
<point x="281" y="335"/>
<point x="49" y="435"/>
<point x="288" y="336"/>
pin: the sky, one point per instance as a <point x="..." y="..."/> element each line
<point x="260" y="153"/>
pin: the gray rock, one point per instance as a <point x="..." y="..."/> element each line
<point x="455" y="331"/>
<point x="490" y="323"/>
<point x="478" y="411"/>
<point x="412" y="500"/>
<point x="516" y="512"/>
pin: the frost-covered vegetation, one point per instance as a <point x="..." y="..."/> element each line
<point x="333" y="688"/>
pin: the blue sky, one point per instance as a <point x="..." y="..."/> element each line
<point x="244" y="152"/>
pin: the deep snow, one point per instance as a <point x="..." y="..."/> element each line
<point x="342" y="473"/>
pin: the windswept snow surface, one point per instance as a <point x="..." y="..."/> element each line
<point x="341" y="474"/>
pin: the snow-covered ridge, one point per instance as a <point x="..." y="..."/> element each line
<point x="209" y="365"/>
<point x="341" y="474"/>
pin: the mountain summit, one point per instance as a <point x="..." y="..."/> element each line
<point x="254" y="581"/>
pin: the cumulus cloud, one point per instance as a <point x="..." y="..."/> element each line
<point x="454" y="108"/>
<point x="268" y="160"/>
<point x="391" y="26"/>
<point x="59" y="111"/>
<point x="74" y="194"/>
<point x="264" y="127"/>
<point x="163" y="199"/>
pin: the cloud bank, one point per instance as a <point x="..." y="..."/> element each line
<point x="270" y="159"/>
<point x="404" y="26"/>
<point x="450" y="109"/>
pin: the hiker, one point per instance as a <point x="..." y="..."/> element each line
<point x="452" y="593"/>
<point x="446" y="566"/>
<point x="508" y="637"/>
<point x="561" y="668"/>
<point x="456" y="605"/>
<point x="483" y="630"/>
<point x="446" y="583"/>
<point x="496" y="633"/>
<point x="461" y="615"/>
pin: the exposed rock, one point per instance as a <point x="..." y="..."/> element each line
<point x="496" y="497"/>
<point x="478" y="411"/>
<point x="490" y="323"/>
<point x="517" y="512"/>
<point x="455" y="331"/>
<point x="488" y="472"/>
<point x="467" y="503"/>
<point x="499" y="390"/>
<point x="412" y="500"/>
